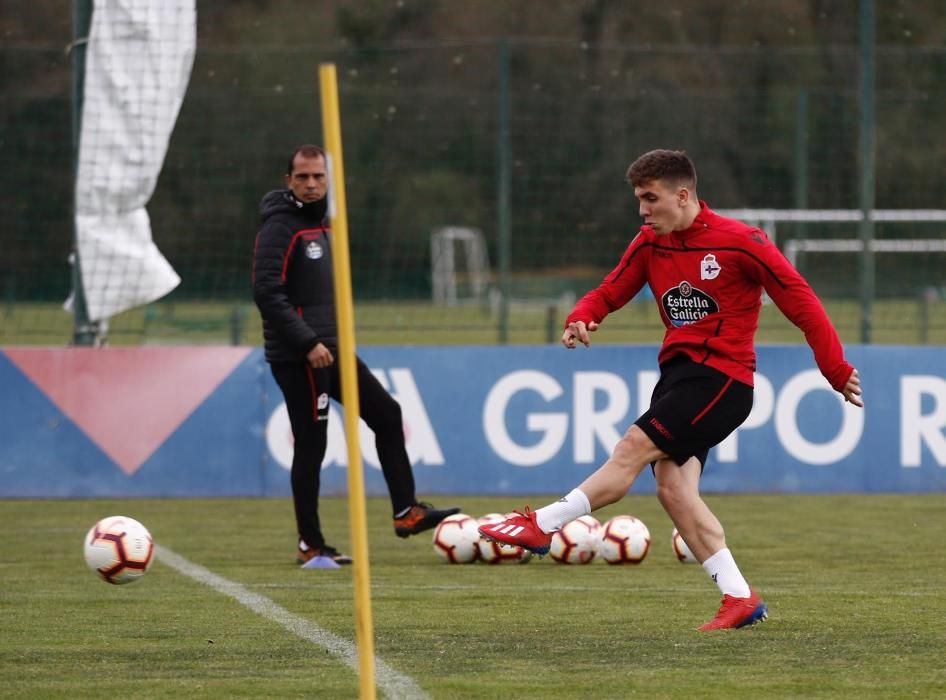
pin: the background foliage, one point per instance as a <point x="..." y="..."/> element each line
<point x="592" y="84"/>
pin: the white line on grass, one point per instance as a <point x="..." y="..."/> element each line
<point x="391" y="683"/>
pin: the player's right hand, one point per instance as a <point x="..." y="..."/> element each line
<point x="577" y="332"/>
<point x="320" y="356"/>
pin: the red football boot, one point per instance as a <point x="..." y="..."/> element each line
<point x="738" y="612"/>
<point x="519" y="530"/>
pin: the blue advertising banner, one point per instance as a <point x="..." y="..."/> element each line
<point x="478" y="420"/>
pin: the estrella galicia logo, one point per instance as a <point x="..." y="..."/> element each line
<point x="685" y="304"/>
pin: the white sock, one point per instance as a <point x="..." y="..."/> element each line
<point x="564" y="510"/>
<point x="303" y="546"/>
<point x="723" y="570"/>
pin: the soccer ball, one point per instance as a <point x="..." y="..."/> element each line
<point x="119" y="549"/>
<point x="456" y="539"/>
<point x="575" y="543"/>
<point x="623" y="540"/>
<point x="493" y="552"/>
<point x="681" y="550"/>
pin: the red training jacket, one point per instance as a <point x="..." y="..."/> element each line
<point x="708" y="283"/>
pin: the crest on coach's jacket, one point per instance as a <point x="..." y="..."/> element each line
<point x="313" y="250"/>
<point x="709" y="268"/>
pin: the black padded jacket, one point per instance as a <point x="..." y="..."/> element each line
<point x="292" y="277"/>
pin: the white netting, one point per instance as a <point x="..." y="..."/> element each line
<point x="138" y="63"/>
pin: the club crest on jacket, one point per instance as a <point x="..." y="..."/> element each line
<point x="313" y="250"/>
<point x="709" y="268"/>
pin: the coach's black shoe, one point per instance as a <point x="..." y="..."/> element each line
<point x="421" y="516"/>
<point x="304" y="556"/>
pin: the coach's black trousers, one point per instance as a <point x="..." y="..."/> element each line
<point x="302" y="386"/>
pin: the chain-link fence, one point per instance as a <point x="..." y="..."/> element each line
<point x="423" y="130"/>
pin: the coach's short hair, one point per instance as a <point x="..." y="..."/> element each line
<point x="306" y="151"/>
<point x="663" y="164"/>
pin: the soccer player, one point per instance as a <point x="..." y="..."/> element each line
<point x="707" y="274"/>
<point x="294" y="290"/>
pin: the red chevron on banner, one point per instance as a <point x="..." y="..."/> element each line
<point x="128" y="401"/>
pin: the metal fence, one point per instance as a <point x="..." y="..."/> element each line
<point x="427" y="130"/>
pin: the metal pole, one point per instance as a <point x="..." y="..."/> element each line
<point x="84" y="332"/>
<point x="551" y="323"/>
<point x="503" y="223"/>
<point x="801" y="149"/>
<point x="867" y="165"/>
<point x="801" y="164"/>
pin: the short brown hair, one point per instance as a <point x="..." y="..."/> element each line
<point x="306" y="151"/>
<point x="663" y="164"/>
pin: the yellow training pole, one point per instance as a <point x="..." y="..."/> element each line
<point x="341" y="266"/>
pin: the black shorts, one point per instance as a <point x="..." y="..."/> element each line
<point x="693" y="408"/>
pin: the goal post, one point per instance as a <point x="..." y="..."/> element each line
<point x="446" y="264"/>
<point x="768" y="219"/>
<point x="911" y="269"/>
<point x="855" y="245"/>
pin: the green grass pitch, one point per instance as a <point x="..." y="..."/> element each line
<point x="854" y="585"/>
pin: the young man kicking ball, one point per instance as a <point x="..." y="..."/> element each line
<point x="707" y="273"/>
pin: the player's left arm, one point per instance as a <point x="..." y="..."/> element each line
<point x="798" y="302"/>
<point x="852" y="390"/>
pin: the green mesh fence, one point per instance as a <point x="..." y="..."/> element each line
<point x="421" y="127"/>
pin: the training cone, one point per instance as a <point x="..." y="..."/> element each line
<point x="321" y="563"/>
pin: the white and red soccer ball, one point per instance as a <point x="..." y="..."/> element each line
<point x="456" y="539"/>
<point x="492" y="552"/>
<point x="623" y="540"/>
<point x="119" y="549"/>
<point x="576" y="542"/>
<point x="680" y="549"/>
